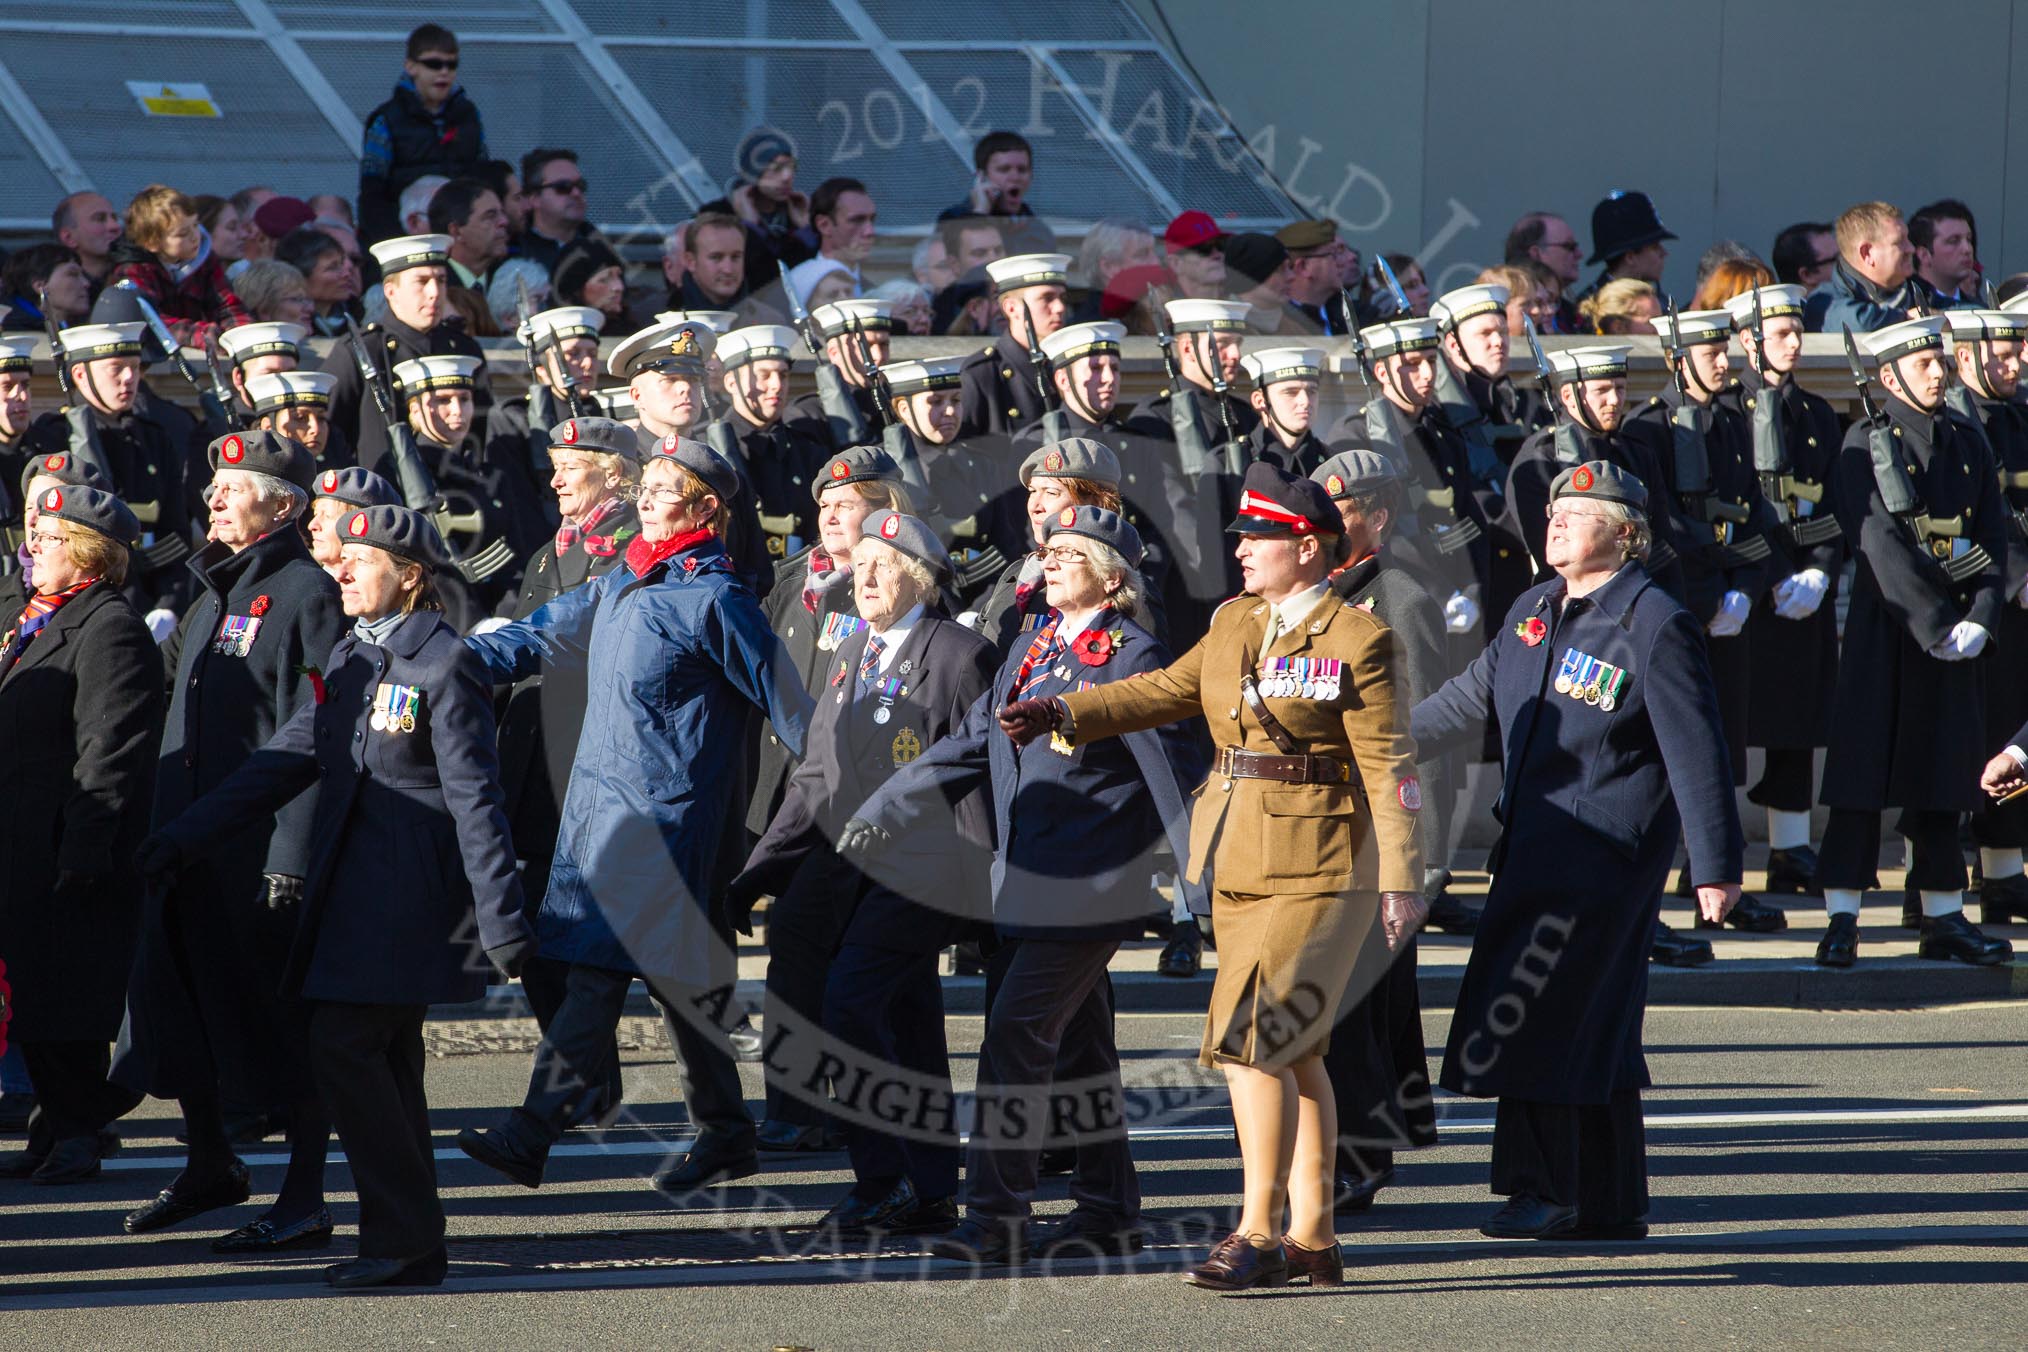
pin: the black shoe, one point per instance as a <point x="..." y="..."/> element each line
<point x="498" y="1151"/>
<point x="982" y="1243"/>
<point x="171" y="1207"/>
<point x="1840" y="945"/>
<point x="1183" y="955"/>
<point x="897" y="1211"/>
<point x="1752" y="915"/>
<point x="1354" y="1193"/>
<point x="708" y="1164"/>
<point x="2002" y="901"/>
<point x="264" y="1236"/>
<point x="786" y="1138"/>
<point x="1608" y="1230"/>
<point x="1087" y="1234"/>
<point x="1793" y="872"/>
<point x="1452" y="915"/>
<point x="1945" y="937"/>
<point x="21" y="1163"/>
<point x="1056" y="1162"/>
<point x="360" y="1273"/>
<point x="14" y="1111"/>
<point x="1526" y="1217"/>
<point x="1911" y="909"/>
<point x="745" y="1039"/>
<point x="1678" y="950"/>
<point x="74" y="1159"/>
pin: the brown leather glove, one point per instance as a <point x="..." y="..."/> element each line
<point x="1025" y="720"/>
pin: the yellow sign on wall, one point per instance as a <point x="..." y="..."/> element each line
<point x="173" y="100"/>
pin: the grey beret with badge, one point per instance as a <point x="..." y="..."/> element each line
<point x="911" y="536"/>
<point x="858" y="464"/>
<point x="1603" y="481"/>
<point x="401" y="531"/>
<point x="1351" y="473"/>
<point x="94" y="509"/>
<point x="64" y="468"/>
<point x="356" y="487"/>
<point x="1073" y="458"/>
<point x="1096" y="523"/>
<point x="599" y="436"/>
<point x="265" y="452"/>
<point x="719" y="474"/>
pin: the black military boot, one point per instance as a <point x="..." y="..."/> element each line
<point x="1945" y="937"/>
<point x="1911" y="909"/>
<point x="1840" y="945"/>
<point x="1678" y="950"/>
<point x="2002" y="901"/>
<point x="1793" y="872"/>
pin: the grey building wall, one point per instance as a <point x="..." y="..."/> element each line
<point x="1428" y="126"/>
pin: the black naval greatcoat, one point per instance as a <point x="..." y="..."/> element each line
<point x="390" y="342"/>
<point x="2007" y="668"/>
<point x="1000" y="394"/>
<point x="780" y="462"/>
<point x="1216" y="495"/>
<point x="809" y="419"/>
<point x="1632" y="448"/>
<point x="1309" y="452"/>
<point x="146" y="458"/>
<point x="1921" y="721"/>
<point x="489" y="481"/>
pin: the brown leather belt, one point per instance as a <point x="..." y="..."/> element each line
<point x="1236" y="764"/>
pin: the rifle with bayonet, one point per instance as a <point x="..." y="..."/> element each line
<point x="77" y="413"/>
<point x="1054" y="428"/>
<point x="1898" y="492"/>
<point x="1233" y="453"/>
<point x="847" y="424"/>
<point x="1690" y="462"/>
<point x="1402" y="309"/>
<point x="894" y="433"/>
<point x="1193" y="443"/>
<point x="215" y="415"/>
<point x="221" y="388"/>
<point x="560" y="394"/>
<point x="1770" y="455"/>
<point x="1568" y="438"/>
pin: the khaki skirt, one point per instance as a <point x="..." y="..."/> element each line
<point x="1285" y="965"/>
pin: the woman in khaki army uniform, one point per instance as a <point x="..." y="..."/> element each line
<point x="1308" y="825"/>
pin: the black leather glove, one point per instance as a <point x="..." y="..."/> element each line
<point x="512" y="956"/>
<point x="160" y="859"/>
<point x="283" y="890"/>
<point x="741" y="896"/>
<point x="1025" y="720"/>
<point x="859" y="837"/>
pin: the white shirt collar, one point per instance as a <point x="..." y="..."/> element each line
<point x="896" y="635"/>
<point x="1297" y="608"/>
<point x="1074" y="623"/>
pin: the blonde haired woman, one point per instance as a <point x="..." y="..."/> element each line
<point x="1622" y="306"/>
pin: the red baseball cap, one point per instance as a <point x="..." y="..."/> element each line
<point x="278" y="216"/>
<point x="1192" y="230"/>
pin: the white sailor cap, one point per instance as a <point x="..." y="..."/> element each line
<point x="1082" y="340"/>
<point x="1284" y="363"/>
<point x="617" y="403"/>
<point x="1400" y="335"/>
<point x="679" y="348"/>
<point x="1775" y="301"/>
<point x="757" y="342"/>
<point x="858" y="312"/>
<point x="913" y="377"/>
<point x="2017" y="306"/>
<point x="412" y="251"/>
<point x="1453" y="308"/>
<point x="719" y="322"/>
<point x="247" y="341"/>
<point x="1570" y="364"/>
<point x="88" y="342"/>
<point x="288" y="389"/>
<point x="441" y="371"/>
<point x="17" y="354"/>
<point x="1898" y="340"/>
<point x="1208" y="316"/>
<point x="1994" y="326"/>
<point x="1694" y="328"/>
<point x="562" y="324"/>
<point x="1039" y="269"/>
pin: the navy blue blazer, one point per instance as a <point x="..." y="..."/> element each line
<point x="1077" y="832"/>
<point x="1591" y="801"/>
<point x="411" y="875"/>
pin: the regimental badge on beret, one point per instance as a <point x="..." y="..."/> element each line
<point x="330" y="480"/>
<point x="358" y="523"/>
<point x="670" y="443"/>
<point x="1053" y="460"/>
<point x="1334" y="485"/>
<point x="888" y="528"/>
<point x="840" y="470"/>
<point x="52" y="501"/>
<point x="233" y="451"/>
<point x="1067" y="517"/>
<point x="53" y="463"/>
<point x="1581" y="480"/>
<point x="570" y="433"/>
<point x="684" y="344"/>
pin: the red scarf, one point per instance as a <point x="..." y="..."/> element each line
<point x="643" y="556"/>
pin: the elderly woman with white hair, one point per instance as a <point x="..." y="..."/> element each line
<point x="1078" y="830"/>
<point x="205" y="1024"/>
<point x="1613" y="751"/>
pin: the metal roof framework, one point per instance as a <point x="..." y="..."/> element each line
<point x="650" y="94"/>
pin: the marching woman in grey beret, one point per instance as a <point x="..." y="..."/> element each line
<point x="411" y="885"/>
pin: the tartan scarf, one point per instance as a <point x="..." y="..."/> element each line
<point x="36" y="614"/>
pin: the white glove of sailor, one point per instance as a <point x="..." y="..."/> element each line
<point x="1731" y="616"/>
<point x="161" y="623"/>
<point x="1965" y="640"/>
<point x="1798" y="597"/>
<point x="1461" y="613"/>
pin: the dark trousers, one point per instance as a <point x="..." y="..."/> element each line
<point x="803" y="928"/>
<point x="578" y="1050"/>
<point x="888" y="1006"/>
<point x="543" y="980"/>
<point x="368" y="1060"/>
<point x="1786" y="780"/>
<point x="72" y="1095"/>
<point x="1590" y="1156"/>
<point x="1379" y="1072"/>
<point x="1051" y="1018"/>
<point x="1850" y="857"/>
